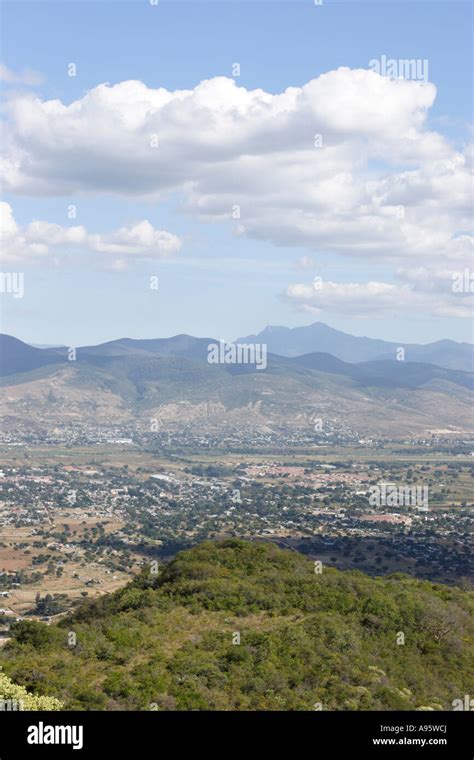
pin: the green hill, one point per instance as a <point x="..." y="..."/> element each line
<point x="166" y="641"/>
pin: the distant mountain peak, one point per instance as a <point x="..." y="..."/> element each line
<point x="321" y="337"/>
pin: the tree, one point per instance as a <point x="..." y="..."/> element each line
<point x="21" y="699"/>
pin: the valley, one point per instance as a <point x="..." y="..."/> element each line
<point x="115" y="463"/>
<point x="78" y="523"/>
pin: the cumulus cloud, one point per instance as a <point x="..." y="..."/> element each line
<point x="225" y="146"/>
<point x="39" y="240"/>
<point x="434" y="293"/>
<point x="344" y="164"/>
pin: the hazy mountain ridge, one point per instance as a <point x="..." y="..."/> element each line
<point x="124" y="382"/>
<point x="296" y="341"/>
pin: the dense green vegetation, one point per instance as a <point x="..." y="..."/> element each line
<point x="14" y="697"/>
<point x="167" y="640"/>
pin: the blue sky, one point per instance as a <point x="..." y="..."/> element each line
<point x="222" y="284"/>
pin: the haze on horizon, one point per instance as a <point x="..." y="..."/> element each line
<point x="258" y="335"/>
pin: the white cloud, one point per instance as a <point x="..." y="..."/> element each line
<point x="384" y="299"/>
<point x="27" y="76"/>
<point x="39" y="240"/>
<point x="381" y="186"/>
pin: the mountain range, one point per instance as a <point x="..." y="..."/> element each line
<point x="133" y="381"/>
<point x="295" y="341"/>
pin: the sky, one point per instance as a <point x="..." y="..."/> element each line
<point x="215" y="167"/>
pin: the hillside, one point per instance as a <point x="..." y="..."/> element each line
<point x="16" y="356"/>
<point x="166" y="641"/>
<point x="131" y="382"/>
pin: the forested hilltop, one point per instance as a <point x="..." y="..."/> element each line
<point x="308" y="640"/>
